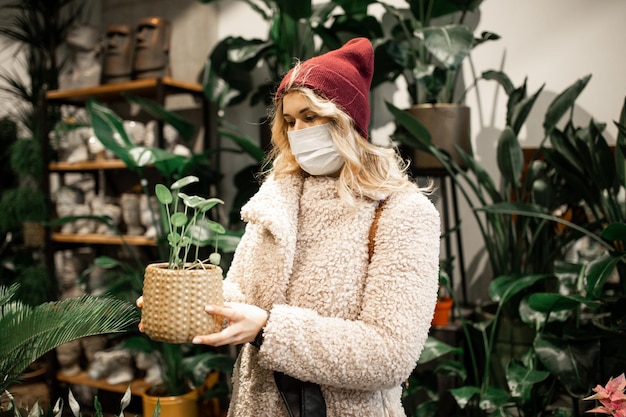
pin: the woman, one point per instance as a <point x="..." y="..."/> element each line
<point x="337" y="329"/>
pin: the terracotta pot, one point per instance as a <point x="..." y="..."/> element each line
<point x="442" y="311"/>
<point x="171" y="406"/>
<point x="174" y="301"/>
<point x="449" y="125"/>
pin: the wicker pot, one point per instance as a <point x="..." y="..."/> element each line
<point x="174" y="301"/>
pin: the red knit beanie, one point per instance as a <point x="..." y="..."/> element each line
<point x="343" y="76"/>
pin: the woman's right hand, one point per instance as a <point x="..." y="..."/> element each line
<point x="139" y="303"/>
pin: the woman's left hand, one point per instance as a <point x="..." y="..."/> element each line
<point x="245" y="321"/>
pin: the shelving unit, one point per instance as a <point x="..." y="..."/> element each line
<point x="105" y="170"/>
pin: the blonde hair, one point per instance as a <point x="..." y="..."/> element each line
<point x="369" y="170"/>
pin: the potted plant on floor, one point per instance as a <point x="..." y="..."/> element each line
<point x="429" y="56"/>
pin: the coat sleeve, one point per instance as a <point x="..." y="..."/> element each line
<point x="379" y="349"/>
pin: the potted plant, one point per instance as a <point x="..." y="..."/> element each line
<point x="427" y="47"/>
<point x="177" y="315"/>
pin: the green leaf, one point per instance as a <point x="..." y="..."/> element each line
<point x="510" y="157"/>
<point x="521" y="379"/>
<point x="505" y="287"/>
<point x="178" y="219"/>
<point x="463" y="395"/>
<point x="182" y="126"/>
<point x="449" y="44"/>
<point x="573" y="362"/>
<point x="163" y="194"/>
<point x="562" y="103"/>
<point x="614" y="231"/>
<point x="183" y="182"/>
<point x="434" y="349"/>
<point x="548" y="302"/>
<point x="598" y="271"/>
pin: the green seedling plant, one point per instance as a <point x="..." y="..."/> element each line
<point x="188" y="226"/>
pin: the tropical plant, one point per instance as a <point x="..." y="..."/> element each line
<point x="514" y="245"/>
<point x="297" y="30"/>
<point x="27" y="333"/>
<point x="427" y="48"/>
<point x="575" y="338"/>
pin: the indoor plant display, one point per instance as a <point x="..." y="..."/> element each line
<point x="427" y="47"/>
<point x="522" y="250"/>
<point x="177" y="315"/>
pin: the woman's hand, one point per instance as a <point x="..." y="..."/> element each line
<point x="245" y="321"/>
<point x="139" y="303"/>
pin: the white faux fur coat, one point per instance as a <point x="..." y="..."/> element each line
<point x="355" y="327"/>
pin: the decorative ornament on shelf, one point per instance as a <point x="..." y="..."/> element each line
<point x="612" y="397"/>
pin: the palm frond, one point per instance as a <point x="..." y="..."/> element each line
<point x="26" y="333"/>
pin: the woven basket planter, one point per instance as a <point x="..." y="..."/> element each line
<point x="174" y="301"/>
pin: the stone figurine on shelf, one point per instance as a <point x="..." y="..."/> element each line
<point x="152" y="48"/>
<point x="149" y="364"/>
<point x="83" y="226"/>
<point x="66" y="198"/>
<point x="115" y="365"/>
<point x="117" y="64"/>
<point x="101" y="207"/>
<point x="149" y="215"/>
<point x="68" y="356"/>
<point x="135" y="130"/>
<point x="171" y="139"/>
<point x="129" y="203"/>
<point x="72" y="145"/>
<point x="84" y="66"/>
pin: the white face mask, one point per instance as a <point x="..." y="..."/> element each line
<point x="315" y="151"/>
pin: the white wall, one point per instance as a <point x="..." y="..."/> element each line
<point x="553" y="42"/>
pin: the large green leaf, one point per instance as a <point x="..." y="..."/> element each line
<point x="573" y="362"/>
<point x="182" y="126"/>
<point x="521" y="379"/>
<point x="510" y="158"/>
<point x="598" y="272"/>
<point x="562" y="103"/>
<point x="434" y="349"/>
<point x="109" y="129"/>
<point x="449" y="44"/>
<point x="505" y="287"/>
<point x="548" y="302"/>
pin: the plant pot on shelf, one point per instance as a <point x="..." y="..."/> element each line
<point x="171" y="405"/>
<point x="449" y="126"/>
<point x="442" y="311"/>
<point x="174" y="301"/>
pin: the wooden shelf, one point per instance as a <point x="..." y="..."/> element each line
<point x="108" y="92"/>
<point x="86" y="165"/>
<point x="137" y="386"/>
<point x="98" y="239"/>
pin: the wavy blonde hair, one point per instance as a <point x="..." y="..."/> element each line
<point x="369" y="170"/>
